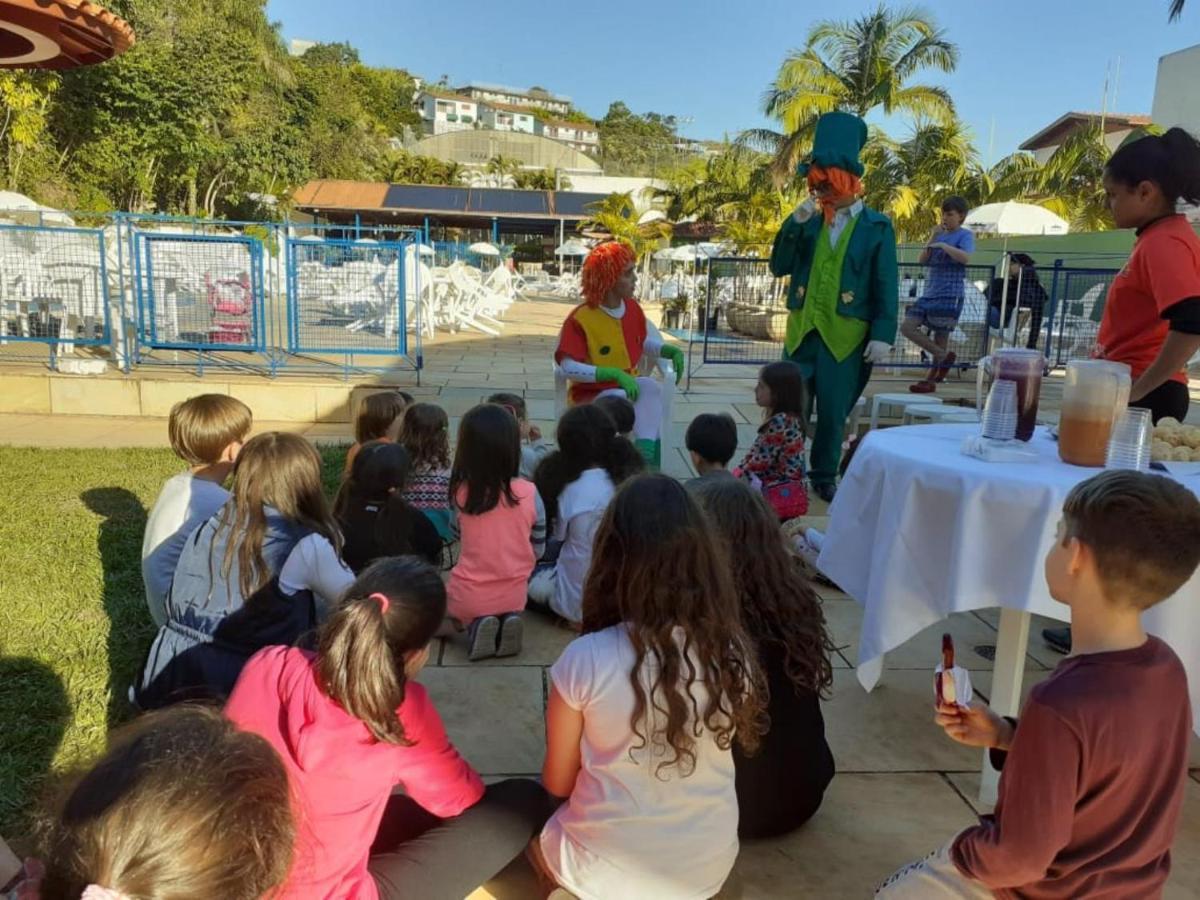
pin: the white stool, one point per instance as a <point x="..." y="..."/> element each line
<point x="852" y="420"/>
<point x="932" y="412"/>
<point x="881" y="400"/>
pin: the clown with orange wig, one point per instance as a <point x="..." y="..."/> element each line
<point x="844" y="290"/>
<point x="606" y="337"/>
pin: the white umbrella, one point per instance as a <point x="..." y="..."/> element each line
<point x="572" y="248"/>
<point x="484" y="249"/>
<point x="27" y="211"/>
<point x="1015" y="218"/>
<point x="421" y="249"/>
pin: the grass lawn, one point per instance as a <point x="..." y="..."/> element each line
<point x="73" y="621"/>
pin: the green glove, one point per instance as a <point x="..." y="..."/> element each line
<point x="675" y="355"/>
<point x="624" y="380"/>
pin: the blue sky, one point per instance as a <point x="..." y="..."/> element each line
<point x="1023" y="63"/>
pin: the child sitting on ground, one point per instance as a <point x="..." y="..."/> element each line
<point x="259" y="572"/>
<point x="502" y="524"/>
<point x="575" y="483"/>
<point x="1093" y="774"/>
<point x="375" y="521"/>
<point x="533" y="447"/>
<point x="426" y="436"/>
<point x="638" y="735"/>
<point x="775" y="462"/>
<point x="181" y="805"/>
<point x="351" y="725"/>
<point x="938" y="308"/>
<point x="781" y="786"/>
<point x="711" y="441"/>
<point x="621" y="411"/>
<point x="378" y="420"/>
<point x="206" y="432"/>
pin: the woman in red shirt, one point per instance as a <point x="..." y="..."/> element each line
<point x="1152" y="314"/>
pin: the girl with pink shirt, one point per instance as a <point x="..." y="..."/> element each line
<point x="350" y="725"/>
<point x="501" y="522"/>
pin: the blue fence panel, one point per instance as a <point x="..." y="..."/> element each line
<point x="353" y="297"/>
<point x="201" y="292"/>
<point x="1077" y="302"/>
<point x="54" y="287"/>
<point x="967" y="334"/>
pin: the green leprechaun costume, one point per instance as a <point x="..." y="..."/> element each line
<point x="844" y="292"/>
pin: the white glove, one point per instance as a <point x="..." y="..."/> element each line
<point x="877" y="351"/>
<point x="805" y="211"/>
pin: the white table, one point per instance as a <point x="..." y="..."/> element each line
<point x="918" y="531"/>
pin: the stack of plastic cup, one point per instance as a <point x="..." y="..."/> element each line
<point x="1000" y="411"/>
<point x="1129" y="442"/>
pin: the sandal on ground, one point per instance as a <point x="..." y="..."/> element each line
<point x="512" y="630"/>
<point x="483" y="635"/>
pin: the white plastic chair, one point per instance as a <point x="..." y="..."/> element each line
<point x="646" y="368"/>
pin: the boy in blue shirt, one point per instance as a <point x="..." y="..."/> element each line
<point x="930" y="320"/>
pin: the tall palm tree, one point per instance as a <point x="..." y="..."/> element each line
<point x="1176" y="10"/>
<point x="503" y="170"/>
<point x="858" y="66"/>
<point x="617" y="216"/>
<point x="1070" y="182"/>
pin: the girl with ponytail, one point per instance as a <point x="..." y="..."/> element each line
<point x="576" y="482"/>
<point x="351" y="725"/>
<point x="1151" y="318"/>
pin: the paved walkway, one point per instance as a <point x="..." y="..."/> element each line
<point x="901" y="789"/>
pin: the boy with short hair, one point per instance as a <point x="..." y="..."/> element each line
<point x="533" y="446"/>
<point x="1094" y="774"/>
<point x="939" y="306"/>
<point x="206" y="432"/>
<point x="711" y="440"/>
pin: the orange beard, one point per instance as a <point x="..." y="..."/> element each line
<point x="842" y="186"/>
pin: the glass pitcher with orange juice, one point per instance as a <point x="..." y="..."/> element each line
<point x="1094" y="394"/>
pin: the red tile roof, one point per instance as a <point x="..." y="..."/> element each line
<point x="1062" y="127"/>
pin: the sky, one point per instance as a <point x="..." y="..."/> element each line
<point x="1023" y="63"/>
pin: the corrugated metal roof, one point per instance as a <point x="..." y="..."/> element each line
<point x="342" y="194"/>
<point x="364" y="196"/>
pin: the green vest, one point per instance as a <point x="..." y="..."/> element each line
<point x="841" y="334"/>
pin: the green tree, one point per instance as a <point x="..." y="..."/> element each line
<point x="541" y="180"/>
<point x="617" y="215"/>
<point x="867" y="64"/>
<point x="503" y="170"/>
<point x="25" y="99"/>
<point x="632" y="144"/>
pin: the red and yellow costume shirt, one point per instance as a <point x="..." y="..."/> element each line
<point x="592" y="336"/>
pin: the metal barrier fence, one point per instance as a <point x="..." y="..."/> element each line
<point x="171" y="291"/>
<point x="743" y="317"/>
<point x="53" y="292"/>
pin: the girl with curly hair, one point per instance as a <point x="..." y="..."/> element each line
<point x="645" y="708"/>
<point x="781" y="786"/>
<point x="604" y="339"/>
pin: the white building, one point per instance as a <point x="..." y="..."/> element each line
<point x="1177" y="99"/>
<point x="535" y="96"/>
<point x="1116" y="128"/>
<point x="505" y="117"/>
<point x="442" y="112"/>
<point x="584" y="138"/>
<point x="1176" y="96"/>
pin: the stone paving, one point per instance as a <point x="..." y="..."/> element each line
<point x="901" y="789"/>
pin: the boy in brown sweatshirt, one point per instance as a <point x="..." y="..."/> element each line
<point x="1093" y="775"/>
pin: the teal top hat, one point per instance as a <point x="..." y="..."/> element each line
<point x="839" y="139"/>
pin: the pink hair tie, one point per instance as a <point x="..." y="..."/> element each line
<point x="384" y="603"/>
<point x="97" y="892"/>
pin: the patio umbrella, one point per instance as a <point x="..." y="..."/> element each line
<point x="484" y="249"/>
<point x="572" y="248"/>
<point x="1011" y="217"/>
<point x="27" y="211"/>
<point x="59" y="34"/>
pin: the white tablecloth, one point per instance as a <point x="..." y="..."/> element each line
<point x="918" y="531"/>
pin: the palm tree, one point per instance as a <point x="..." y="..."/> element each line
<point x="1176" y="10"/>
<point x="1070" y="182"/>
<point x="503" y="170"/>
<point x="617" y="216"/>
<point x="858" y="66"/>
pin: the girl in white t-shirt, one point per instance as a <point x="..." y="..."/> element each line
<point x="576" y="481"/>
<point x="645" y="707"/>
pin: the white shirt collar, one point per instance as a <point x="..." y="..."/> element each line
<point x="846" y="213"/>
<point x="618" y="313"/>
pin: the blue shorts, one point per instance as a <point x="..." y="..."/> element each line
<point x="938" y="315"/>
